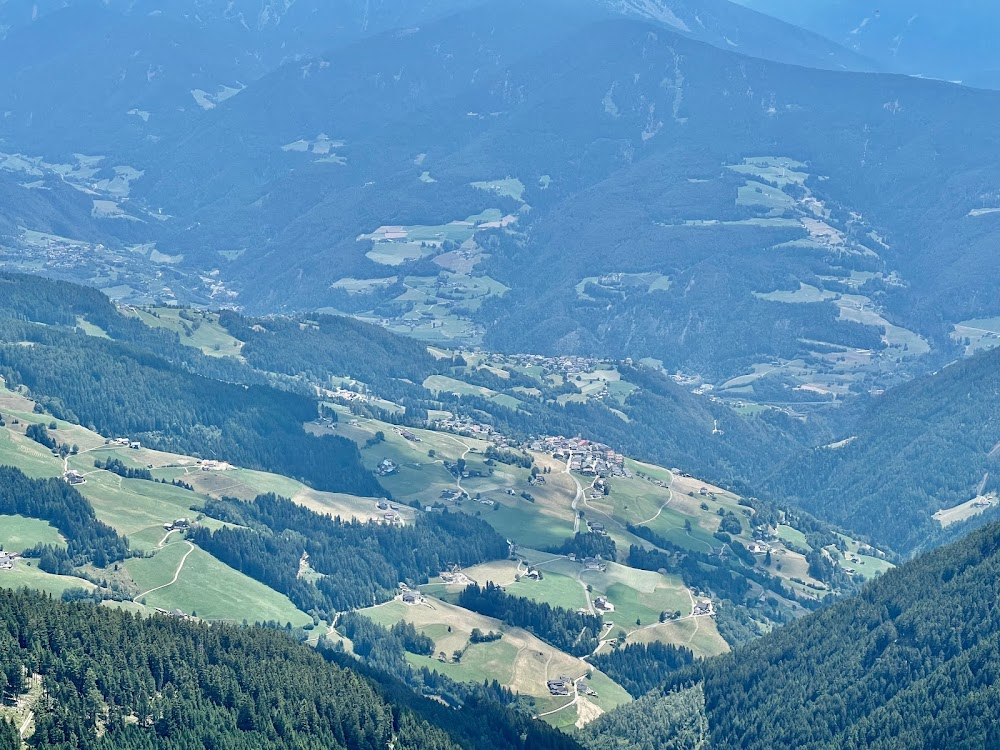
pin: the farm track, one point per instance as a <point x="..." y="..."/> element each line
<point x="177" y="573"/>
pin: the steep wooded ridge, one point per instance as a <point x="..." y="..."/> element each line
<point x="909" y="663"/>
<point x="925" y="446"/>
<point x="116" y="680"/>
<point x="130" y="387"/>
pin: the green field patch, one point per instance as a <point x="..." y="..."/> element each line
<point x="208" y="588"/>
<point x="760" y="195"/>
<point x="700" y="634"/>
<point x="196" y="328"/>
<point x="18" y="533"/>
<point x="443" y="384"/>
<point x="805" y="294"/>
<point x="131" y="506"/>
<point x="610" y="695"/>
<point x="27" y="575"/>
<point x="978" y="334"/>
<point x="90" y="329"/>
<point x="767" y="223"/>
<point x="779" y="170"/>
<point x="363" y="286"/>
<point x="792" y="536"/>
<point x="506" y="401"/>
<point x="525" y="523"/>
<point x="393" y="245"/>
<point x="862" y="310"/>
<point x="518" y="660"/>
<point x="964" y="511"/>
<point x="509" y="187"/>
<point x="397" y="253"/>
<point x="557" y="590"/>
<point x="638" y="594"/>
<point x="671" y="525"/>
<point x="33" y="459"/>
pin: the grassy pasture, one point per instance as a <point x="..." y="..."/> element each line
<point x="509" y="187"/>
<point x="638" y="594"/>
<point x="982" y="334"/>
<point x="947" y="516"/>
<point x="519" y="660"/>
<point x="27" y="455"/>
<point x="27" y="575"/>
<point x="208" y="588"/>
<point x="700" y="634"/>
<point x="761" y="195"/>
<point x="18" y="533"/>
<point x="805" y="294"/>
<point x="204" y="332"/>
<point x="792" y="536"/>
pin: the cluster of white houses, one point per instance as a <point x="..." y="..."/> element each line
<point x="584" y="456"/>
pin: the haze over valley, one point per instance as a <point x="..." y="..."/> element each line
<point x="596" y="374"/>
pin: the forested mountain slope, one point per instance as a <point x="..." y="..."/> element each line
<point x="909" y="663"/>
<point x="147" y="387"/>
<point x="927" y="445"/>
<point x="154" y="70"/>
<point x="647" y="180"/>
<point x="644" y="211"/>
<point x="115" y="680"/>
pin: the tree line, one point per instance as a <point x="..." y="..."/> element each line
<point x="117" y="681"/>
<point x="88" y="540"/>
<point x="358" y="564"/>
<point x="568" y="631"/>
<point x="131" y="392"/>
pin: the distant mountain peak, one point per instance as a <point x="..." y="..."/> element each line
<point x="655" y="10"/>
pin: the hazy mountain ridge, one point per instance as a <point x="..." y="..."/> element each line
<point x="661" y="129"/>
<point x="953" y="41"/>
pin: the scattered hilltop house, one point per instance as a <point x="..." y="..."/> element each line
<point x="7" y="560"/>
<point x="180" y="524"/>
<point x="534" y="575"/>
<point x="704" y="607"/>
<point x="412" y="597"/>
<point x="382" y="504"/>
<point x="208" y="465"/>
<point x="594" y="563"/>
<point x="386" y="468"/>
<point x="135" y="445"/>
<point x="562" y="686"/>
<point x="601" y="603"/>
<point x="392" y="517"/>
<point x="175" y="614"/>
<point x="759" y="549"/>
<point x="74" y="477"/>
<point x="597" y="528"/>
<point x="583" y="687"/>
